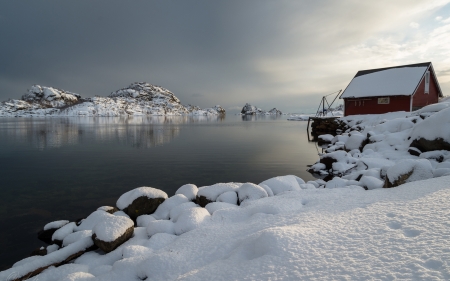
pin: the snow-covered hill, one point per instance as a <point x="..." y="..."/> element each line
<point x="137" y="99"/>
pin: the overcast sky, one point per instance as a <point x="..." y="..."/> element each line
<point x="284" y="54"/>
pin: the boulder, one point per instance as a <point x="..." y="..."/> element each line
<point x="408" y="171"/>
<point x="163" y="210"/>
<point x="141" y="201"/>
<point x="356" y="141"/>
<point x="208" y="194"/>
<point x="229" y="197"/>
<point x="188" y="190"/>
<point x="251" y="191"/>
<point x="283" y="184"/>
<point x="202" y="201"/>
<point x="433" y="133"/>
<point x="112" y="232"/>
<point x="429" y="145"/>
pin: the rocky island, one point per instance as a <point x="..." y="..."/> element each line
<point x="139" y="98"/>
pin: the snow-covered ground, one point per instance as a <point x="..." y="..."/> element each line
<point x="137" y="99"/>
<point x="348" y="228"/>
<point x="303" y="234"/>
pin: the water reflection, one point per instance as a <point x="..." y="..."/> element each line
<point x="135" y="131"/>
<point x="260" y="117"/>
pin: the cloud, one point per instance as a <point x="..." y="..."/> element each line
<point x="438" y="18"/>
<point x="414" y="25"/>
<point x="283" y="54"/>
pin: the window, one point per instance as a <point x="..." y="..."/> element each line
<point x="427" y="82"/>
<point x="383" y="100"/>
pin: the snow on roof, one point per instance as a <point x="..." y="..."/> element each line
<point x="397" y="81"/>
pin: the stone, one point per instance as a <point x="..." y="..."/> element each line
<point x="202" y="201"/>
<point x="328" y="162"/>
<point x="142" y="206"/>
<point x="430" y="145"/>
<point x="41" y="251"/>
<point x="112" y="232"/>
<point x="408" y="170"/>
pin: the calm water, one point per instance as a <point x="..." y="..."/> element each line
<point x="64" y="168"/>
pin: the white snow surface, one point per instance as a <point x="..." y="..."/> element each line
<point x="283" y="184"/>
<point x="55" y="224"/>
<point x="61" y="233"/>
<point x="188" y="190"/>
<point x="163" y="210"/>
<point x="390" y="82"/>
<point x="310" y="234"/>
<point x="127" y="198"/>
<point x="433" y="127"/>
<point x="213" y="191"/>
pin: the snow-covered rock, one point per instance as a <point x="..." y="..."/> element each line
<point x="49" y="229"/>
<point x="249" y="109"/>
<point x="50" y="97"/>
<point x="112" y="231"/>
<point x="141" y="201"/>
<point x="188" y="190"/>
<point x="408" y="170"/>
<point x="163" y="210"/>
<point x="208" y="194"/>
<point x="250" y="191"/>
<point x="283" y="184"/>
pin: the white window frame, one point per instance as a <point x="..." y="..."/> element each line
<point x="385" y="100"/>
<point x="427" y="82"/>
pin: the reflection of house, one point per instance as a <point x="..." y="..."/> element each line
<point x="397" y="88"/>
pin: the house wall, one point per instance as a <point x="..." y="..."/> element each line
<point x="370" y="105"/>
<point x="420" y="99"/>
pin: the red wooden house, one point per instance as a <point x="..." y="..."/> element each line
<point x="397" y="88"/>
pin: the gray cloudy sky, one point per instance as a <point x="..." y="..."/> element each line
<point x="283" y="54"/>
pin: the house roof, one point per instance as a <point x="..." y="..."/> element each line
<point x="400" y="80"/>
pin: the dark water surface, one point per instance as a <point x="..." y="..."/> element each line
<point x="65" y="168"/>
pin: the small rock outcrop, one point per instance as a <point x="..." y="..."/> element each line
<point x="141" y="201"/>
<point x="209" y="194"/>
<point x="112" y="232"/>
<point x="408" y="171"/>
<point x="50" y="97"/>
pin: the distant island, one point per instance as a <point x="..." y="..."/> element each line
<point x="140" y="98"/>
<point x="249" y="109"/>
